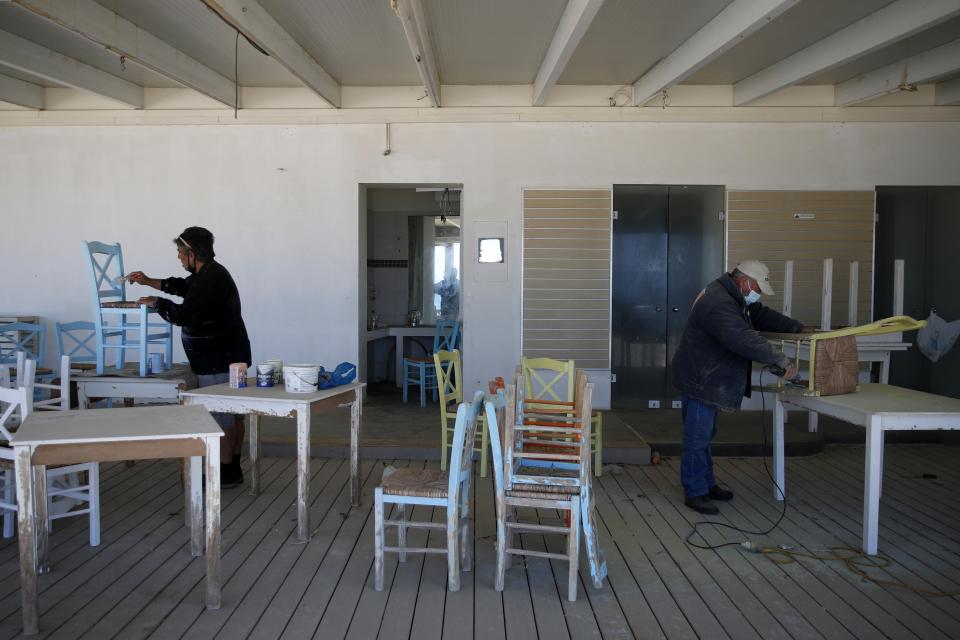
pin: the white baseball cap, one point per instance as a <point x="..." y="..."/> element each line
<point x="759" y="272"/>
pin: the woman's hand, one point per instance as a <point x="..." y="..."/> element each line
<point x="137" y="277"/>
<point x="150" y="301"/>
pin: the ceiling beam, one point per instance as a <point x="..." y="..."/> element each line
<point x="890" y="24"/>
<point x="948" y="92"/>
<point x="925" y="67"/>
<point x="253" y="21"/>
<point x="414" y="20"/>
<point x="573" y="25"/>
<point x="25" y="94"/>
<point x="26" y="56"/>
<point x="107" y="29"/>
<point x="737" y="21"/>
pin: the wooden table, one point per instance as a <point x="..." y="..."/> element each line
<point x="399" y="333"/>
<point x="877" y="408"/>
<point x="101" y="435"/>
<point x="128" y="384"/>
<point x="275" y="401"/>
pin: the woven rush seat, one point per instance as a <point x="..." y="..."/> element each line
<point x="422" y="483"/>
<point x="537" y="491"/>
<point x="129" y="304"/>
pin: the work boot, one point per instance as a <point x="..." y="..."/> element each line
<point x="718" y="493"/>
<point x="231" y="475"/>
<point x="702" y="504"/>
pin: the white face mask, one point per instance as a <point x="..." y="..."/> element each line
<point x="751" y="297"/>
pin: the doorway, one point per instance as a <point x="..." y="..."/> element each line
<point x="668" y="243"/>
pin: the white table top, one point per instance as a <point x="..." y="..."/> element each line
<point x="163" y="422"/>
<point x="275" y="393"/>
<point x="885" y="399"/>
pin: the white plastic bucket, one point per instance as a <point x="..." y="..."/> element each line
<point x="300" y="378"/>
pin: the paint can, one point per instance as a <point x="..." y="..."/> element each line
<point x="277" y="370"/>
<point x="238" y="375"/>
<point x="156" y="363"/>
<point x="301" y="378"/>
<point x="264" y="375"/>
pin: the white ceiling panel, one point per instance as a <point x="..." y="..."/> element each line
<point x="26" y="25"/>
<point x="628" y="37"/>
<point x="358" y="42"/>
<point x="491" y="41"/>
<point x="916" y="44"/>
<point x="26" y="77"/>
<point x="798" y="28"/>
<point x="189" y="26"/>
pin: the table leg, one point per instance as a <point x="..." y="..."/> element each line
<point x="254" y="453"/>
<point x="26" y="523"/>
<point x="778" y="471"/>
<point x="885" y="369"/>
<point x="598" y="565"/>
<point x="356" y="411"/>
<point x="42" y="527"/>
<point x="303" y="473"/>
<point x="83" y="402"/>
<point x="398" y="361"/>
<point x="194" y="482"/>
<point x="872" y="479"/>
<point x="213" y="522"/>
<point x="813" y="421"/>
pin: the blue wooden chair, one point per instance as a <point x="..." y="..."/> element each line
<point x="78" y="340"/>
<point x="421" y="371"/>
<point x="111" y="310"/>
<point x="22" y="337"/>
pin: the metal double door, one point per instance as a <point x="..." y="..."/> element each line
<point x="668" y="243"/>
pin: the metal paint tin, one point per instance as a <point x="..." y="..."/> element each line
<point x="238" y="375"/>
<point x="264" y="375"/>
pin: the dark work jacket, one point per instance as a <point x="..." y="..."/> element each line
<point x="213" y="334"/>
<point x="720" y="343"/>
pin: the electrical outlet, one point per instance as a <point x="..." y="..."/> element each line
<point x="677" y="404"/>
<point x="653" y="404"/>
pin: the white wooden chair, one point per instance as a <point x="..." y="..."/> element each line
<point x="64" y="487"/>
<point x="435" y="488"/>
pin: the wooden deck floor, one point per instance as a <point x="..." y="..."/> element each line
<point x="141" y="582"/>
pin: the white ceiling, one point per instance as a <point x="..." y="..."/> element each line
<point x="476" y="42"/>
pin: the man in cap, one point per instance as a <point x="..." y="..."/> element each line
<point x="712" y="366"/>
<point x="213" y="332"/>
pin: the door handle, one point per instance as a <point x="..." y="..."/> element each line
<point x="676" y="309"/>
<point x="658" y="308"/>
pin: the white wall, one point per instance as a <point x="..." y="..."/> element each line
<point x="283" y="203"/>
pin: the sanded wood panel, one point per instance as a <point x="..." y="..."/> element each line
<point x="566" y="275"/>
<point x="806" y="227"/>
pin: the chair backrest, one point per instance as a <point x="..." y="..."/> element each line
<point x="59" y="402"/>
<point x="12" y="402"/>
<point x="548" y="438"/>
<point x="77" y="340"/>
<point x="548" y="379"/>
<point x="464" y="436"/>
<point x="449" y="374"/>
<point x="446" y="335"/>
<point x="105" y="267"/>
<point x="22" y="337"/>
<point x="506" y="396"/>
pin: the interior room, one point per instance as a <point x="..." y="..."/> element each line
<point x="315" y="314"/>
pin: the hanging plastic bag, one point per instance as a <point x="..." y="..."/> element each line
<point x="935" y="339"/>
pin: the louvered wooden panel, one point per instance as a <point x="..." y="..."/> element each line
<point x="566" y="275"/>
<point x="761" y="225"/>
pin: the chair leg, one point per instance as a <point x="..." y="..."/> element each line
<point x="502" y="555"/>
<point x="10" y="497"/>
<point x="597" y="435"/>
<point x="402" y="531"/>
<point x="93" y="479"/>
<point x="484" y="450"/>
<point x="466" y="532"/>
<point x="423" y="388"/>
<point x="378" y="539"/>
<point x="573" y="548"/>
<point x="143" y="342"/>
<point x="453" y="546"/>
<point x="406" y="383"/>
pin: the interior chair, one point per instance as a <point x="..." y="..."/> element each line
<point x="553" y="381"/>
<point x="22" y="339"/>
<point x="420" y="371"/>
<point x="435" y="488"/>
<point x="111" y="311"/>
<point x="449" y="369"/>
<point x="64" y="487"/>
<point x="78" y="340"/>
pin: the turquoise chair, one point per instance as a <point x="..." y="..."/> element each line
<point x="111" y="311"/>
<point x="421" y="371"/>
<point x="22" y="337"/>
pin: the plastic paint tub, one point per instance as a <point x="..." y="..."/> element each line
<point x="300" y="378"/>
<point x="277" y="369"/>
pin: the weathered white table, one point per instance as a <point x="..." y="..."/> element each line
<point x="399" y="333"/>
<point x="127" y="383"/>
<point x="275" y="401"/>
<point x="877" y="408"/>
<point x="101" y="435"/>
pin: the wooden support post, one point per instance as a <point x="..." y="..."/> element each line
<point x="788" y="288"/>
<point x="853" y="301"/>
<point x="898" y="270"/>
<point x="826" y="306"/>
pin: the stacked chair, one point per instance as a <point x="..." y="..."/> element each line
<point x="449" y="372"/>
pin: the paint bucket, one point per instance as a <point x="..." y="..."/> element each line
<point x="301" y="378"/>
<point x="156" y="363"/>
<point x="277" y="370"/>
<point x="238" y="375"/>
<point x="264" y="375"/>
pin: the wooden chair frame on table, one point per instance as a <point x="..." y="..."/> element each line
<point x="431" y="487"/>
<point x="20" y="401"/>
<point x="565" y="484"/>
<point x="543" y="387"/>
<point x="446" y="337"/>
<point x="109" y="298"/>
<point x="22" y="338"/>
<point x="449" y="375"/>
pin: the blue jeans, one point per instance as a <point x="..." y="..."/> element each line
<point x="696" y="462"/>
